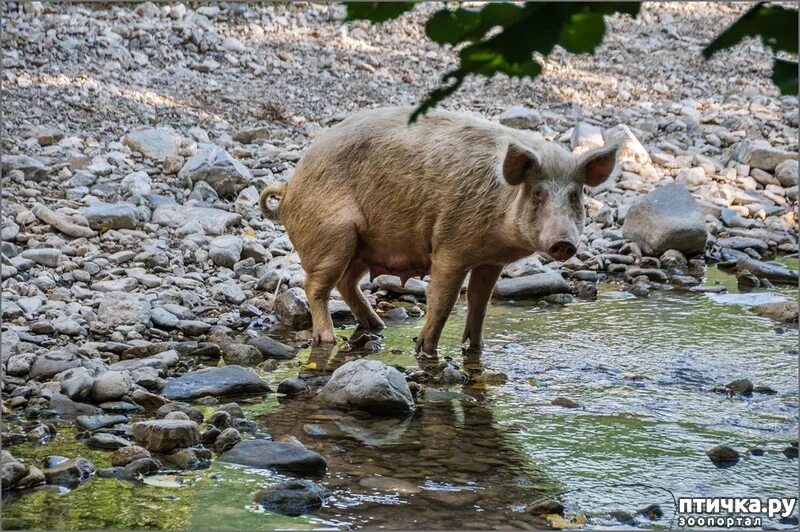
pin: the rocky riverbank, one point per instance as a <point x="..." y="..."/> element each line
<point x="135" y="258"/>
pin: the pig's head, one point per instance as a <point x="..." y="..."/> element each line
<point x="547" y="212"/>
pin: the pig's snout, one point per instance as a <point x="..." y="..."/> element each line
<point x="561" y="250"/>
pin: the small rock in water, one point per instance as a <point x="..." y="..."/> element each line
<point x="723" y="455"/>
<point x="544" y="507"/>
<point x="565" y="402"/>
<point x="166" y="434"/>
<point x="292" y="497"/>
<point x="740" y="386"/>
<point x="281" y="456"/>
<point x="651" y="511"/>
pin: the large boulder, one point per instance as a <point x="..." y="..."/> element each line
<point x="281" y="456"/>
<point x="163" y="435"/>
<point x="531" y="286"/>
<point x="215" y="166"/>
<point x="228" y="380"/>
<point x="368" y="385"/>
<point x="666" y="218"/>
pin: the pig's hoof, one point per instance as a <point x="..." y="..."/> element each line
<point x="324" y="337"/>
<point x="424" y="349"/>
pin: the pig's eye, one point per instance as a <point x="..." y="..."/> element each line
<point x="539" y="195"/>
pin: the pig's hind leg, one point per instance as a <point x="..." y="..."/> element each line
<point x="355" y="298"/>
<point x="325" y="260"/>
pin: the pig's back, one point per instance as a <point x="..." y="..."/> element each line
<point x="399" y="180"/>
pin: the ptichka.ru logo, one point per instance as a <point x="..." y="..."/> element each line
<point x="741" y="511"/>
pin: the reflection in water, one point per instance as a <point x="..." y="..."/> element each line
<point x="448" y="454"/>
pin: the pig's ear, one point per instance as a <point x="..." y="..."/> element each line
<point x="519" y="163"/>
<point x="595" y="166"/>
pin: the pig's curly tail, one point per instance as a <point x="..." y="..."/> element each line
<point x="278" y="189"/>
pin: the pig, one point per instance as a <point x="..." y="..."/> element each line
<point x="448" y="195"/>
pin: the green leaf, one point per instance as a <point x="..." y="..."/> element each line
<point x="376" y="11"/>
<point x="582" y="32"/>
<point x="776" y="25"/>
<point x="784" y="75"/>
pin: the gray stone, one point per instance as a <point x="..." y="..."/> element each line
<point x="225" y="250"/>
<point x="137" y="184"/>
<point x="64" y="405"/>
<point x="76" y="383"/>
<point x="392" y="283"/>
<point x="125" y="455"/>
<point x="193" y="327"/>
<point x="630" y="147"/>
<point x="163" y="319"/>
<point x="291" y="307"/>
<point x="666" y="218"/>
<point x="153" y="143"/>
<point x="123" y="284"/>
<point x="122" y="308"/>
<point x="213" y="221"/>
<point x="51" y="363"/>
<point x="100" y="421"/>
<point x="531" y="286"/>
<point x="111" y="385"/>
<point x="69" y="473"/>
<point x="106" y="441"/>
<point x="229" y="291"/>
<point x="103" y="216"/>
<point x="45" y="256"/>
<point x="368" y="385"/>
<point x="270" y="348"/>
<point x="292" y="497"/>
<point x="31" y="168"/>
<point x="586" y="137"/>
<point x="760" y="154"/>
<point x="163" y="360"/>
<point x="786" y="173"/>
<point x="226" y="440"/>
<point x="216" y="167"/>
<point x="786" y="311"/>
<point x="228" y="380"/>
<point x="164" y="435"/>
<point x="520" y="117"/>
<point x="281" y="456"/>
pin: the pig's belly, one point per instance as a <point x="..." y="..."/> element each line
<point x="401" y="259"/>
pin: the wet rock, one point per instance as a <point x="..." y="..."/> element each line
<point x="104" y="216"/>
<point x="193" y="413"/>
<point x="774" y="272"/>
<point x="154" y="143"/>
<point x="189" y="458"/>
<point x="292" y="387"/>
<point x="69" y="473"/>
<point x="11" y="470"/>
<point x="791" y="451"/>
<point x="740" y="386"/>
<point x="651" y="511"/>
<point x="746" y="281"/>
<point x="281" y="456"/>
<point x="272" y="349"/>
<point x="125" y="455"/>
<point x="291" y="307"/>
<point x="672" y="258"/>
<point x="228" y="380"/>
<point x="368" y="385"/>
<point x="226" y="440"/>
<point x="292" y="497"/>
<point x="667" y="218"/>
<point x="215" y="166"/>
<point x="111" y="385"/>
<point x="723" y="455"/>
<point x="164" y="435"/>
<point x="100" y="421"/>
<point x="531" y="286"/>
<point x="544" y="507"/>
<point x="786" y="311"/>
<point x="565" y="402"/>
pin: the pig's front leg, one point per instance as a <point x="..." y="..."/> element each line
<point x="446" y="280"/>
<point x="481" y="282"/>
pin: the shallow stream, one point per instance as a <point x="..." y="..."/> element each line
<point x="640" y="370"/>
